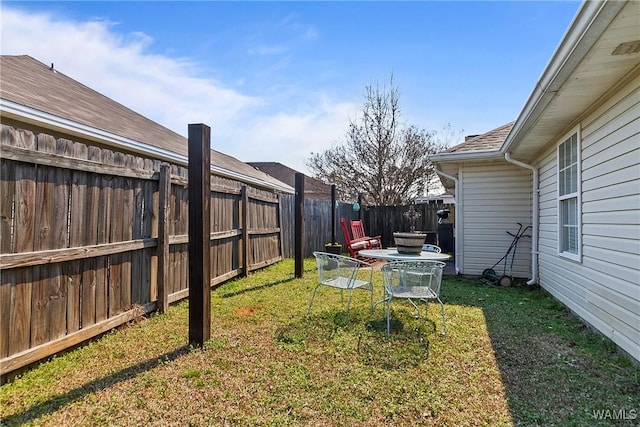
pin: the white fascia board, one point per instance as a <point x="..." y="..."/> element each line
<point x="587" y="26"/>
<point x="465" y="156"/>
<point x="250" y="180"/>
<point x="36" y="117"/>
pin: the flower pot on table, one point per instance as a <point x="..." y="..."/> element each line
<point x="409" y="243"/>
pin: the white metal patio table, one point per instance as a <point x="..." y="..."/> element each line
<point x="391" y="254"/>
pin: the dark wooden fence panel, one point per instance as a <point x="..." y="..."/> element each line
<point x="179" y="220"/>
<point x="225" y="204"/>
<point x="317" y="224"/>
<point x="225" y="253"/>
<point x="287" y="224"/>
<point x="263" y="228"/>
<point x="385" y="220"/>
<point x="377" y="220"/>
<point x="79" y="241"/>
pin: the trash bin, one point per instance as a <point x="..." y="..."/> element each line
<point x="432" y="237"/>
<point x="445" y="237"/>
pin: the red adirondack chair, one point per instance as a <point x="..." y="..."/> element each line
<point x="357" y="230"/>
<point x="354" y="246"/>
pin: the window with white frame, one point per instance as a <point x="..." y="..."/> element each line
<point x="569" y="206"/>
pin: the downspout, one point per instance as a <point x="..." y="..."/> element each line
<point x="456" y="217"/>
<point x="534" y="217"/>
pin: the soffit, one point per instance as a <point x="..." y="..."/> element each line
<point x="590" y="81"/>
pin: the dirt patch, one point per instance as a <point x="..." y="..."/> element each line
<point x="245" y="311"/>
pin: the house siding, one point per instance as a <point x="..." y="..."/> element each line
<point x="493" y="201"/>
<point x="604" y="288"/>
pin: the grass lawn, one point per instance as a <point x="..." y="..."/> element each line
<point x="511" y="356"/>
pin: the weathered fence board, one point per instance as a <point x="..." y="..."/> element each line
<point x="137" y="258"/>
<point x="21" y="281"/>
<point x="49" y="300"/>
<point x="127" y="221"/>
<point x="115" y="235"/>
<point x="77" y="238"/>
<point x="150" y="228"/>
<point x="27" y="259"/>
<point x="90" y="236"/>
<point x="7" y="279"/>
<point x="92" y="165"/>
<point x="182" y="224"/>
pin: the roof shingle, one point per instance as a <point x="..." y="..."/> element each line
<point x="313" y="188"/>
<point x="489" y="141"/>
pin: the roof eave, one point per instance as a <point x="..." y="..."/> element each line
<point x="30" y="115"/>
<point x="590" y="22"/>
<point x="462" y="157"/>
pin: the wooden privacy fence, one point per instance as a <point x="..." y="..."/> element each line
<point x="377" y="220"/>
<point x="91" y="239"/>
<point x="317" y="224"/>
<point x="385" y="220"/>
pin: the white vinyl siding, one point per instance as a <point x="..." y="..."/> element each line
<point x="604" y="289"/>
<point x="494" y="198"/>
<point x="569" y="205"/>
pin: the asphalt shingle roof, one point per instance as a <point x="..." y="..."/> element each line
<point x="313" y="188"/>
<point x="489" y="141"/>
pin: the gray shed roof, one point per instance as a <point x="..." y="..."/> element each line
<point x="313" y="188"/>
<point x="44" y="91"/>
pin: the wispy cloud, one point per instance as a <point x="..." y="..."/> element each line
<point x="299" y="133"/>
<point x="174" y="91"/>
<point x="267" y="50"/>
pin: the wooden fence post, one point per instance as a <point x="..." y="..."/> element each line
<point x="164" y="192"/>
<point x="199" y="234"/>
<point x="281" y="244"/>
<point x="299" y="226"/>
<point x="333" y="214"/>
<point x="244" y="211"/>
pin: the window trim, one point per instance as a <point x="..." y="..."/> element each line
<point x="575" y="195"/>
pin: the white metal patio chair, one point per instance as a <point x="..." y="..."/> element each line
<point x="415" y="281"/>
<point x="431" y="248"/>
<point x="341" y="272"/>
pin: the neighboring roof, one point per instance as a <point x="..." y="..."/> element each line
<point x="313" y="188"/>
<point x="447" y="197"/>
<point x="35" y="93"/>
<point x="489" y="141"/>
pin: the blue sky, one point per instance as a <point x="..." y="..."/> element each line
<point x="277" y="81"/>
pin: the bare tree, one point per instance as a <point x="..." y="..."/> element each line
<point x="384" y="162"/>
